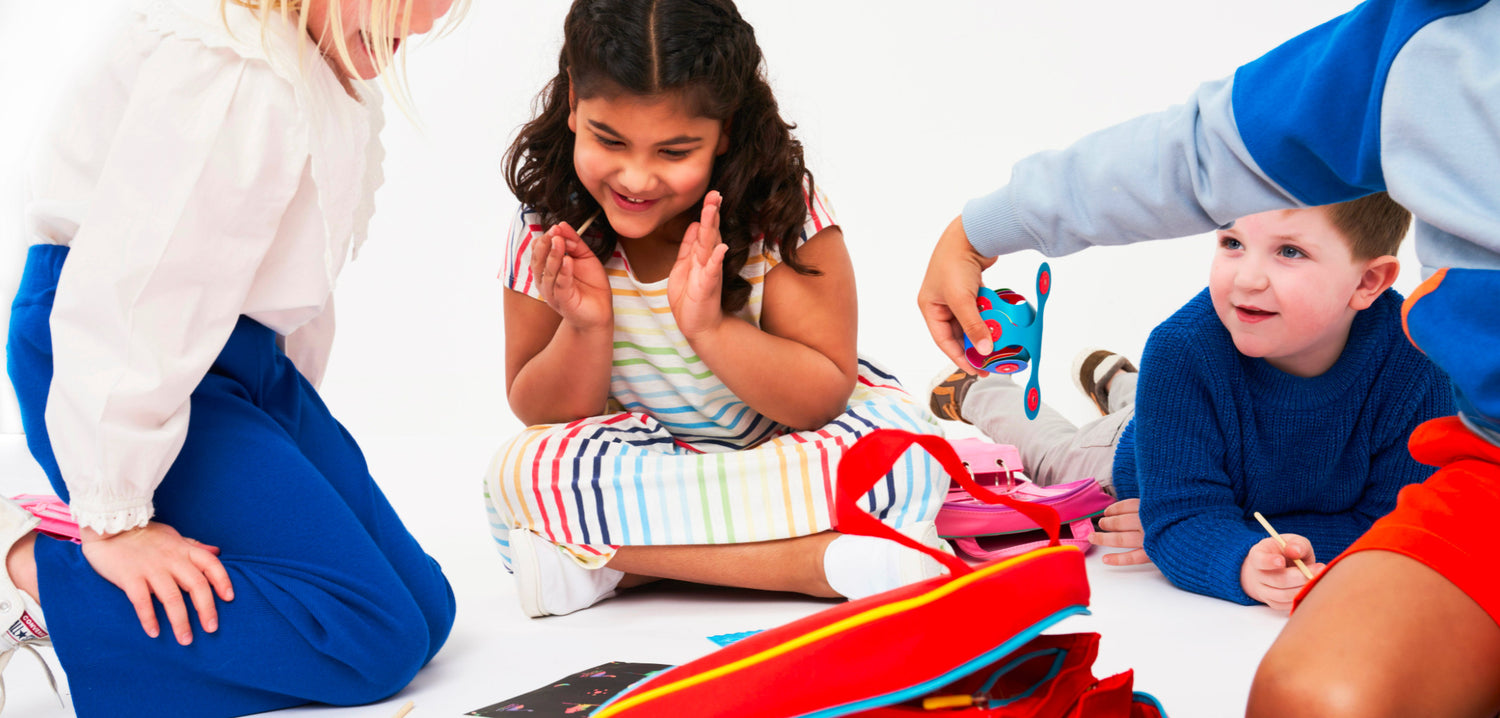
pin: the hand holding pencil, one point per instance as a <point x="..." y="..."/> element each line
<point x="1267" y="574"/>
<point x="1282" y="542"/>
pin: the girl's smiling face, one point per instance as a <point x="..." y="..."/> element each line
<point x="646" y="160"/>
<point x="355" y="19"/>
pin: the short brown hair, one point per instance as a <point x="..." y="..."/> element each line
<point x="1374" y="224"/>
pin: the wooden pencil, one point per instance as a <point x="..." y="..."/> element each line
<point x="1282" y="541"/>
<point x="586" y="223"/>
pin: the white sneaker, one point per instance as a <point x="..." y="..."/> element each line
<point x="915" y="565"/>
<point x="25" y="630"/>
<point x="860" y="566"/>
<point x="552" y="584"/>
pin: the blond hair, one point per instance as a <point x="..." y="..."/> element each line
<point x="1374" y="225"/>
<point x="388" y="19"/>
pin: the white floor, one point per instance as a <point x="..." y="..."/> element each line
<point x="922" y="111"/>
<point x="1196" y="654"/>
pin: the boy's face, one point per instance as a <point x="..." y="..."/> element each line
<point x="1283" y="283"/>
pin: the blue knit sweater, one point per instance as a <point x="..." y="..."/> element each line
<point x="1218" y="436"/>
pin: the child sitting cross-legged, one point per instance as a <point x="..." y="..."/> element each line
<point x="686" y="364"/>
<point x="1285" y="388"/>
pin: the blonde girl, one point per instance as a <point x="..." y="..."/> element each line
<point x="189" y="215"/>
<point x="686" y="362"/>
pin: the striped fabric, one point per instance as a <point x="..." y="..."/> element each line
<point x="655" y="371"/>
<point x="684" y="461"/>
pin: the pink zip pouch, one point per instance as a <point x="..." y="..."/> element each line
<point x="57" y="519"/>
<point x="989" y="531"/>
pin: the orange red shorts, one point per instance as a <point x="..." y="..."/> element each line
<point x="1446" y="522"/>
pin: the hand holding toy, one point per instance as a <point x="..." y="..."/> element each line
<point x="1016" y="330"/>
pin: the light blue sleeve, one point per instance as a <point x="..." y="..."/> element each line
<point x="1439" y="142"/>
<point x="1178" y="172"/>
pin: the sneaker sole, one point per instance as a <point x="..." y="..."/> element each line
<point x="940" y="398"/>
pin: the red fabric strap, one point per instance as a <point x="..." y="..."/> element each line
<point x="874" y="455"/>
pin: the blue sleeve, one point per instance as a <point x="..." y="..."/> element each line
<point x="1123" y="472"/>
<point x="1300" y="126"/>
<point x="1310" y="111"/>
<point x="1196" y="532"/>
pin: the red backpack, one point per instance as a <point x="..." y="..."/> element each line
<point x="916" y="649"/>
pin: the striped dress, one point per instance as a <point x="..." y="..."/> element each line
<point x="681" y="460"/>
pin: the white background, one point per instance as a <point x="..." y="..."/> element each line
<point x="907" y="110"/>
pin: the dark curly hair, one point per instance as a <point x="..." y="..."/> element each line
<point x="706" y="53"/>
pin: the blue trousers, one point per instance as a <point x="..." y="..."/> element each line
<point x="334" y="601"/>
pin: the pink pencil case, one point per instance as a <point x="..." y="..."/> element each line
<point x="57" y="519"/>
<point x="989" y="531"/>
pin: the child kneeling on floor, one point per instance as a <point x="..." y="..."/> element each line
<point x="1285" y="388"/>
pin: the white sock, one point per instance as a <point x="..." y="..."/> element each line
<point x="859" y="566"/>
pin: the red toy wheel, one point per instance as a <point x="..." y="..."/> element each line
<point x="1044" y="282"/>
<point x="1008" y="366"/>
<point x="995" y="329"/>
<point x="1007" y="352"/>
<point x="1033" y="399"/>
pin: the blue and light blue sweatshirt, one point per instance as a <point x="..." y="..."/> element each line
<point x="1218" y="436"/>
<point x="1395" y="95"/>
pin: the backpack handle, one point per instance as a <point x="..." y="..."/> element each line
<point x="868" y="460"/>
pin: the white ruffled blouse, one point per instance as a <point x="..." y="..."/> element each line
<point x="198" y="174"/>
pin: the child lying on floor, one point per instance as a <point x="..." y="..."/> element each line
<point x="1286" y="388"/>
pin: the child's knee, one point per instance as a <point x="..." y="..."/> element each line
<point x="386" y="657"/>
<point x="1304" y="681"/>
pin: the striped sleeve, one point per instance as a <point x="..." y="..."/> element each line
<point x="819" y="217"/>
<point x="819" y="214"/>
<point x="525" y="228"/>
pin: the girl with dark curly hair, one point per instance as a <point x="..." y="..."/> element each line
<point x="680" y="332"/>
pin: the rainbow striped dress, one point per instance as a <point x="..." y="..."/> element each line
<point x="683" y="460"/>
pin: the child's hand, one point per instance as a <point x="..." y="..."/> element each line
<point x="696" y="281"/>
<point x="571" y="279"/>
<point x="946" y="297"/>
<point x="156" y="560"/>
<point x="1268" y="574"/>
<point x="1120" y="527"/>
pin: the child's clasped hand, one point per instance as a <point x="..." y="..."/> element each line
<point x="571" y="279"/>
<point x="1268" y="575"/>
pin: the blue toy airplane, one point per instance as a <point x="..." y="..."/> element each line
<point x="1016" y="330"/>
